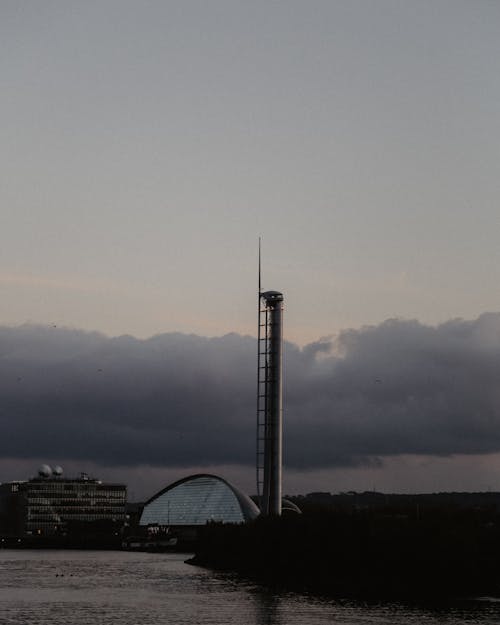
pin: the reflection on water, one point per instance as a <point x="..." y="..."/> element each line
<point x="108" y="588"/>
<point x="266" y="607"/>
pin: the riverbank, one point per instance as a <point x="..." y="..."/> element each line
<point x="84" y="541"/>
<point x="363" y="554"/>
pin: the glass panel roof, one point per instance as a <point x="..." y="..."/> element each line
<point x="194" y="502"/>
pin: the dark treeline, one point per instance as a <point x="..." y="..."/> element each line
<point x="384" y="551"/>
<point x="406" y="504"/>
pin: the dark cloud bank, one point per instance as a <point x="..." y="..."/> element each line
<point x="181" y="400"/>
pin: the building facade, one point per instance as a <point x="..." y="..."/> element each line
<point x="51" y="504"/>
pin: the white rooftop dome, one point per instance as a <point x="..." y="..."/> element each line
<point x="45" y="471"/>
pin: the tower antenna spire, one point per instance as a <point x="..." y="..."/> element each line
<point x="260" y="283"/>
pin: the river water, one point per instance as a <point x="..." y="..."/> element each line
<point x="126" y="588"/>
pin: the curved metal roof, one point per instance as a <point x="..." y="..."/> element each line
<point x="197" y="499"/>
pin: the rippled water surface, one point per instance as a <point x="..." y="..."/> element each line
<point x="112" y="587"/>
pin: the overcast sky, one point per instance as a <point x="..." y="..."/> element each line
<point x="146" y="145"/>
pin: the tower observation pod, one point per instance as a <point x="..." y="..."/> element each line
<point x="270" y="401"/>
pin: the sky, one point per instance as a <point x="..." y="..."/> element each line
<point x="145" y="146"/>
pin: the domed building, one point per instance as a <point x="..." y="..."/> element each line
<point x="288" y="507"/>
<point x="196" y="500"/>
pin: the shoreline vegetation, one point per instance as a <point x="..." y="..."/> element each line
<point x="440" y="552"/>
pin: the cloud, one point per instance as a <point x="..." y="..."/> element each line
<point x="177" y="400"/>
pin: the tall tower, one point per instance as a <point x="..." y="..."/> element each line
<point x="269" y="400"/>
